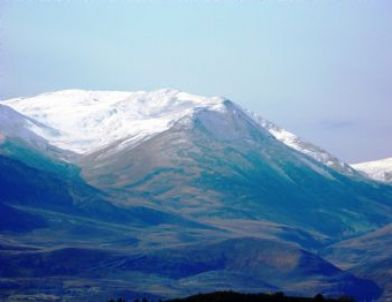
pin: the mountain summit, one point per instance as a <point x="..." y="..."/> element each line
<point x="85" y="121"/>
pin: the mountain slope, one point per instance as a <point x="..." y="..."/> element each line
<point x="380" y="170"/>
<point x="33" y="180"/>
<point x="14" y="220"/>
<point x="367" y="256"/>
<point x="21" y="185"/>
<point x="304" y="147"/>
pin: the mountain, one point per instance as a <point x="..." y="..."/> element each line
<point x="221" y="164"/>
<point x="380" y="170"/>
<point x="203" y="157"/>
<point x="168" y="194"/>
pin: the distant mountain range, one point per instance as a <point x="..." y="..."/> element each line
<point x="380" y="170"/>
<point x="170" y="194"/>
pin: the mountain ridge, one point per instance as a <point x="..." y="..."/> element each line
<point x="147" y="120"/>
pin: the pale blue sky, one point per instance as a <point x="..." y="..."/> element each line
<point x="322" y="69"/>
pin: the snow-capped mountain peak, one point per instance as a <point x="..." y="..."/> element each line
<point x="379" y="169"/>
<point x="83" y="122"/>
<point x="89" y="120"/>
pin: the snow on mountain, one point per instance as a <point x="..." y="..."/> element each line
<point x="89" y="120"/>
<point x="16" y="125"/>
<point x="304" y="147"/>
<point x="379" y="169"/>
<point x="86" y="121"/>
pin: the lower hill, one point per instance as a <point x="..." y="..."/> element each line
<point x="367" y="256"/>
<point x="242" y="264"/>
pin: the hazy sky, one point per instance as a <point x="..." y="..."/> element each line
<point x="322" y="69"/>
